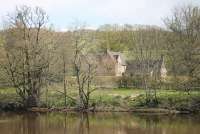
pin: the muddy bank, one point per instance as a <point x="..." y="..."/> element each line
<point x="18" y="107"/>
<point x="135" y="110"/>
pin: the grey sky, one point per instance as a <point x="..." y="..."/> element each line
<point x="97" y="12"/>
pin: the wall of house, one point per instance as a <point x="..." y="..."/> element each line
<point x="106" y="66"/>
<point x="119" y="68"/>
<point x="163" y="72"/>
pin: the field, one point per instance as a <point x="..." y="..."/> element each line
<point x="119" y="98"/>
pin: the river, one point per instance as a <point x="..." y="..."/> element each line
<point x="99" y="123"/>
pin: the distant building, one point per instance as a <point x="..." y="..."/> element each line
<point x="110" y="64"/>
<point x="154" y="68"/>
<point x="119" y="62"/>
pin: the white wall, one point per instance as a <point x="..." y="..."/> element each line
<point x="120" y="69"/>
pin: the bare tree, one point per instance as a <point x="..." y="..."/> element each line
<point x="183" y="41"/>
<point x="145" y="51"/>
<point x="64" y="56"/>
<point x="28" y="48"/>
<point x="84" y="67"/>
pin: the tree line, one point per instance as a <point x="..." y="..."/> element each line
<point x="33" y="54"/>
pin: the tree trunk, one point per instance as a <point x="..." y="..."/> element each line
<point x="32" y="101"/>
<point x="64" y="80"/>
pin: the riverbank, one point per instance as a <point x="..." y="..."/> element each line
<point x="15" y="107"/>
<point x="134" y="110"/>
<point x="110" y="100"/>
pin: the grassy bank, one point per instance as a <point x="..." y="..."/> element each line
<point x="117" y="99"/>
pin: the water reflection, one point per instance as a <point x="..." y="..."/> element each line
<point x="101" y="123"/>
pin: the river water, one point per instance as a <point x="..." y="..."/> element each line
<point x="99" y="123"/>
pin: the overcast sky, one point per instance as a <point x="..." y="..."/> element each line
<point x="63" y="13"/>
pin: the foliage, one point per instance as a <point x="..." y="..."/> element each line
<point x="120" y="98"/>
<point x="183" y="41"/>
<point x="27" y="53"/>
<point x="33" y="57"/>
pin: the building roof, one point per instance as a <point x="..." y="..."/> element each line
<point x="113" y="54"/>
<point x="149" y="65"/>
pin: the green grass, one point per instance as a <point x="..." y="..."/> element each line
<point x="101" y="97"/>
<point x="117" y="98"/>
<point x="172" y="99"/>
<point x="118" y="91"/>
<point x="8" y="95"/>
